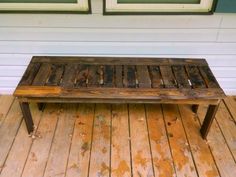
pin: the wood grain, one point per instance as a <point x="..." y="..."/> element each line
<point x="140" y="148"/>
<point x="100" y="152"/>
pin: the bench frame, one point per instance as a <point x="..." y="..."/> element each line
<point x="55" y="94"/>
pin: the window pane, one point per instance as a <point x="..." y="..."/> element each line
<point x="38" y="1"/>
<point x="161" y="1"/>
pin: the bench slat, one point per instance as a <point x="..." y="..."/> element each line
<point x="195" y="77"/>
<point x="167" y="76"/>
<point x="93" y="76"/>
<point x="156" y="78"/>
<point x="129" y="76"/>
<point x="181" y="76"/>
<point x="119" y="76"/>
<point x="30" y="73"/>
<point x="143" y="77"/>
<point x="56" y="74"/>
<point x="108" y="76"/>
<point x="42" y="75"/>
<point x="208" y="77"/>
<point x="81" y="76"/>
<point x="69" y="76"/>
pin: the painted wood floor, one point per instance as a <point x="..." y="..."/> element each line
<point x="116" y="140"/>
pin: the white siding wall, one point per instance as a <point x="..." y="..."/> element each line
<point x="24" y="35"/>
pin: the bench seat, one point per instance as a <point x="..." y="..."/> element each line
<point x="119" y="80"/>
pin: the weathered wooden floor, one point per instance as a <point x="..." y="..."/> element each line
<point x="116" y="140"/>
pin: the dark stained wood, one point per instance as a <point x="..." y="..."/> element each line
<point x="81" y="76"/>
<point x="143" y="77"/>
<point x="122" y="93"/>
<point x="30" y="73"/>
<point x="210" y="116"/>
<point x="129" y="79"/>
<point x="55" y="75"/>
<point x="181" y="76"/>
<point x="42" y="75"/>
<point x="118" y="60"/>
<point x="108" y="76"/>
<point x="27" y="116"/>
<point x="168" y="77"/>
<point x="195" y="108"/>
<point x="155" y="76"/>
<point x="119" y="76"/>
<point x="195" y="77"/>
<point x="120" y="80"/>
<point x="93" y="76"/>
<point x="208" y="77"/>
<point x="69" y="76"/>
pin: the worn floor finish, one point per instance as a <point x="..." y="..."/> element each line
<point x="116" y="140"/>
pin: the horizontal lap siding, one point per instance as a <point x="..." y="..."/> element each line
<point x="212" y="37"/>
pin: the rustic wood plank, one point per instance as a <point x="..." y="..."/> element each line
<point x="79" y="156"/>
<point x="62" y="140"/>
<point x="168" y="77"/>
<point x="129" y="79"/>
<point x="120" y="144"/>
<point x="119" y="76"/>
<point x="195" y="77"/>
<point x="201" y="152"/>
<point x="118" y="60"/>
<point x="82" y="75"/>
<point x="181" y="76"/>
<point x="156" y="78"/>
<point x="100" y="152"/>
<point x="8" y="131"/>
<point x="140" y="149"/>
<point x="55" y="75"/>
<point x="69" y="76"/>
<point x="220" y="151"/>
<point x="30" y="73"/>
<point x="20" y="148"/>
<point x="230" y="103"/>
<point x="109" y="76"/>
<point x="143" y="77"/>
<point x="181" y="153"/>
<point x="208" y="77"/>
<point x="39" y="152"/>
<point x="162" y="159"/>
<point x="93" y="76"/>
<point x="41" y="78"/>
<point x="228" y="127"/>
<point x="5" y="102"/>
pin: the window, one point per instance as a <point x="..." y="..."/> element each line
<point x="159" y="6"/>
<point x="69" y="6"/>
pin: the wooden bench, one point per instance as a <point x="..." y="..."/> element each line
<point x="119" y="80"/>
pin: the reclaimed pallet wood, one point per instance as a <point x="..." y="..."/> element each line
<point x="119" y="80"/>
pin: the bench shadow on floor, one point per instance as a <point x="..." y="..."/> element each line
<point x="121" y="140"/>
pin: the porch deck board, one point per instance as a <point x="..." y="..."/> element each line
<point x="117" y="140"/>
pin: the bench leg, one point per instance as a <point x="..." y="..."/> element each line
<point x="210" y="115"/>
<point x="41" y="106"/>
<point x="27" y="116"/>
<point x="195" y="108"/>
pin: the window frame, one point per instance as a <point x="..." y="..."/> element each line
<point x="81" y="7"/>
<point x="111" y="7"/>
